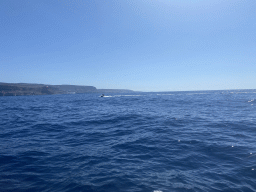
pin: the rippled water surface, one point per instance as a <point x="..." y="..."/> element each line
<point x="137" y="142"/>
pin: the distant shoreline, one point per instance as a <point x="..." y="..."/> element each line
<point x="19" y="89"/>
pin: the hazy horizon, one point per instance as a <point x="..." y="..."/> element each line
<point x="151" y="46"/>
<point x="137" y="90"/>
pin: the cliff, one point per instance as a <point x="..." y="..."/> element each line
<point x="17" y="89"/>
<point x="13" y="89"/>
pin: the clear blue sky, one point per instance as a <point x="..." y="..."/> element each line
<point x="143" y="45"/>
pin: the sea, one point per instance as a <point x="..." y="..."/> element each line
<point x="129" y="142"/>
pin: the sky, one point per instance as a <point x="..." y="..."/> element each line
<point x="142" y="45"/>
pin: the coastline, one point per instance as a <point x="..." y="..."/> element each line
<point x="21" y="89"/>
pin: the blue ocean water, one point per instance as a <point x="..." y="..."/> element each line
<point x="137" y="142"/>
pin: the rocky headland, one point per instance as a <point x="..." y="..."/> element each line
<point x="17" y="89"/>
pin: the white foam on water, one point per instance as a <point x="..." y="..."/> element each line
<point x="127" y="95"/>
<point x="131" y="95"/>
<point x="157" y="191"/>
<point x="122" y="96"/>
<point x="196" y="93"/>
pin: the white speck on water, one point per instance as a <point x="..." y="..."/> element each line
<point x="157" y="191"/>
<point x="250" y="153"/>
<point x="252" y="169"/>
<point x="232" y="146"/>
<point x="178" y="140"/>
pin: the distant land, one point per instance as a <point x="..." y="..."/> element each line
<point x="18" y="89"/>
